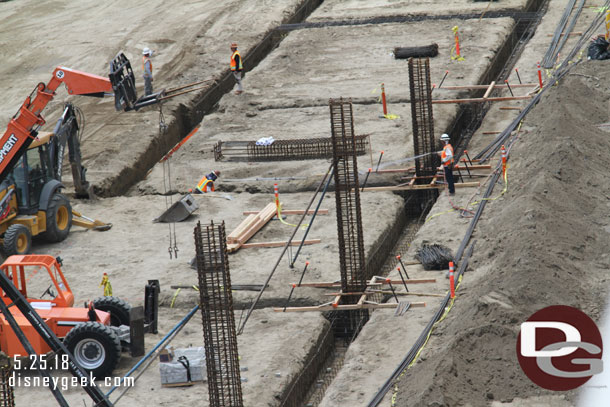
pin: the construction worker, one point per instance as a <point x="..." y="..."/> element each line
<point x="236" y="67"/>
<point x="447" y="162"/>
<point x="207" y="183"/>
<point x="147" y="70"/>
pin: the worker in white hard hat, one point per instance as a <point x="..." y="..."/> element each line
<point x="148" y="70"/>
<point x="447" y="162"/>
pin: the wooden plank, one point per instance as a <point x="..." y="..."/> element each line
<point x="262" y="218"/>
<point x="416" y="187"/>
<point x="338" y="283"/>
<point x="476" y="167"/>
<point x="279" y="244"/>
<point x="389" y="293"/>
<point x="489" y="89"/>
<point x="466" y="87"/>
<point x="510" y="108"/>
<point x="347" y="307"/>
<point x="234" y="235"/>
<point x="480" y="100"/>
<point x="292" y="212"/>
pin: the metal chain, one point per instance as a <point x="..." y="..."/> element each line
<point x="167" y="185"/>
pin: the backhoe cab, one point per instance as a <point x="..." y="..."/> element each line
<point x="30" y="200"/>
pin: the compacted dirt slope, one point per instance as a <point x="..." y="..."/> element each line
<point x="543" y="243"/>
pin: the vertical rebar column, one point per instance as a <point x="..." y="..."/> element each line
<point x="349" y="216"/>
<point x="423" y="120"/>
<point x="221" y="354"/>
<point x="7" y="392"/>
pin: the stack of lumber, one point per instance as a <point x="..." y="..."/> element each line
<point x="248" y="228"/>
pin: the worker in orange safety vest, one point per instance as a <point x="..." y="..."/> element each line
<point x="236" y="67"/>
<point x="147" y="69"/>
<point x="206" y="184"/>
<point x="447" y="162"/>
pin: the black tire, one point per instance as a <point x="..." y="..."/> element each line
<point x="17" y="240"/>
<point x="95" y="347"/>
<point x="59" y="219"/>
<point x="118" y="309"/>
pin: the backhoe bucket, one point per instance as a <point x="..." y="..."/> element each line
<point x="179" y="211"/>
<point x="81" y="220"/>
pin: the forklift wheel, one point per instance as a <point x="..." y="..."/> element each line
<point x="59" y="219"/>
<point x="17" y="240"/>
<point x="96" y="348"/>
<point x="118" y="309"/>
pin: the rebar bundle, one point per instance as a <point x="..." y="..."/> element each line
<point x="283" y="150"/>
<point x="434" y="257"/>
<point x="7" y="392"/>
<point x="422" y="117"/>
<point x="224" y="381"/>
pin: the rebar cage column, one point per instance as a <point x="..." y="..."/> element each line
<point x="219" y="332"/>
<point x="349" y="216"/>
<point x="7" y="392"/>
<point x="422" y="117"/>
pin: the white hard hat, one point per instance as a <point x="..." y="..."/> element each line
<point x="146" y="51"/>
<point x="445" y="137"/>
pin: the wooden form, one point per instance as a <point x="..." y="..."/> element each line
<point x="279" y="244"/>
<point x="338" y="283"/>
<point x="467" y="87"/>
<point x="363" y="302"/>
<point x="293" y="212"/>
<point x="480" y="100"/>
<point x="418" y="187"/>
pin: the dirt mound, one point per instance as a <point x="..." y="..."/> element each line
<point x="543" y="243"/>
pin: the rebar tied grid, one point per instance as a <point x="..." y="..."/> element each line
<point x="422" y="117"/>
<point x="224" y="381"/>
<point x="349" y="215"/>
<point x="283" y="150"/>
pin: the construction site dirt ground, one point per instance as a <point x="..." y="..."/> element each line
<point x="286" y="97"/>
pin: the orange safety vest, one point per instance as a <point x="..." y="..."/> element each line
<point x="444" y="155"/>
<point x="203" y="184"/>
<point x="234" y="64"/>
<point x="146" y="59"/>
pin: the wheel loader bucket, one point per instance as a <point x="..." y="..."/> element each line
<point x="179" y="211"/>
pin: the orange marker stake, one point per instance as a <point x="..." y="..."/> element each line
<point x="385" y="107"/>
<point x="539" y="75"/>
<point x="451" y="280"/>
<point x="503" y="162"/>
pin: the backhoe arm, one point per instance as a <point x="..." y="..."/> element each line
<point x="24" y="125"/>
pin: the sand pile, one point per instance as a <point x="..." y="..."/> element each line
<point x="543" y="243"/>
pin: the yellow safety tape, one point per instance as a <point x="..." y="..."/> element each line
<point x="391" y="116"/>
<point x="477" y="202"/>
<point x="419" y="351"/>
<point x="171" y="305"/>
<point x="279" y="216"/>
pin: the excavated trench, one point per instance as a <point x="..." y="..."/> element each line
<point x="184" y="119"/>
